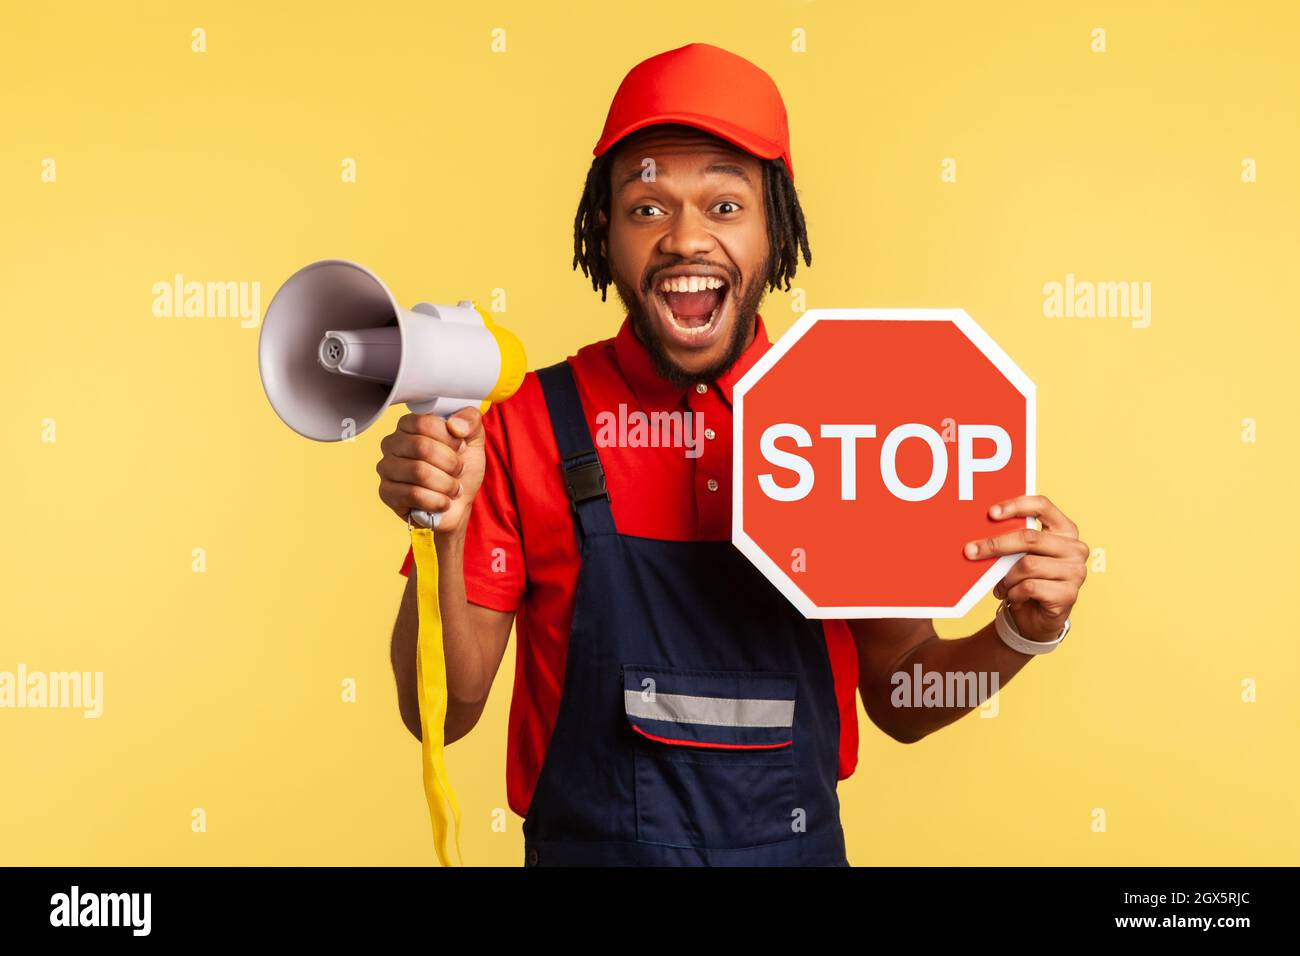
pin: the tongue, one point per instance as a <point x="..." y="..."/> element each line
<point x="693" y="308"/>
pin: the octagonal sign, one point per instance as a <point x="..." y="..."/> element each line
<point x="868" y="447"/>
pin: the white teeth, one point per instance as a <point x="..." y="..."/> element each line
<point x="690" y="284"/>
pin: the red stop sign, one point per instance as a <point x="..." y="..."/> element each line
<point x="869" y="445"/>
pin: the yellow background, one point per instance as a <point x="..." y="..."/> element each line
<point x="223" y="689"/>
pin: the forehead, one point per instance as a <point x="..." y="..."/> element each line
<point x="679" y="151"/>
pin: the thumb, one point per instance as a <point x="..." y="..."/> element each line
<point x="466" y="423"/>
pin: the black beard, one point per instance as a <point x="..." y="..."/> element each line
<point x="746" y="311"/>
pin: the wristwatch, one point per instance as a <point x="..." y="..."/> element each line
<point x="1006" y="629"/>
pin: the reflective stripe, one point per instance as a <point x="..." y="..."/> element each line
<point x="717" y="711"/>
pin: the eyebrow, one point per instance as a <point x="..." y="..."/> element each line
<point x="726" y="169"/>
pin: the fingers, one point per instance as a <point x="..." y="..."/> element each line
<point x="1049" y="594"/>
<point x="1027" y="541"/>
<point x="430" y="426"/>
<point x="1054" y="563"/>
<point x="410" y="472"/>
<point x="421" y="466"/>
<point x="419" y="447"/>
<point x="404" y="498"/>
<point x="1047" y="569"/>
<point x="467" y="424"/>
<point x="1036" y="506"/>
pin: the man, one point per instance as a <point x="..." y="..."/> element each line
<point x="670" y="706"/>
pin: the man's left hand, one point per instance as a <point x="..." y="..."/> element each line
<point x="1042" y="587"/>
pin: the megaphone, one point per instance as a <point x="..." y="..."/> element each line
<point x="336" y="349"/>
<point x="334" y="352"/>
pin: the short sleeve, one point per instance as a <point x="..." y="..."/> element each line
<point x="494" y="556"/>
<point x="843" y="653"/>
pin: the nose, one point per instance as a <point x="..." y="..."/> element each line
<point x="687" y="235"/>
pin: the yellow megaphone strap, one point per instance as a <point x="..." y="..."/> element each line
<point x="431" y="680"/>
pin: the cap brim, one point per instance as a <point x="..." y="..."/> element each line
<point x="742" y="139"/>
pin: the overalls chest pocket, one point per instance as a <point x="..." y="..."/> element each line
<point x="714" y="756"/>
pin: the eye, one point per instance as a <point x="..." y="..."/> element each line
<point x="735" y="207"/>
<point x="654" y="214"/>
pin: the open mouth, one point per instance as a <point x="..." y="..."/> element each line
<point x="692" y="305"/>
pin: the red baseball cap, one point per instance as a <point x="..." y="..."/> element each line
<point x="706" y="87"/>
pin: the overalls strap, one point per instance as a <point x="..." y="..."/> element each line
<point x="581" y="471"/>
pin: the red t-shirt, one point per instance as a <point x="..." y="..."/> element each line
<point x="521" y="552"/>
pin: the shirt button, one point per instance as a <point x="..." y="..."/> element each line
<point x="713" y="484"/>
<point x="709" y="434"/>
<point x="701" y="388"/>
<point x="532" y="857"/>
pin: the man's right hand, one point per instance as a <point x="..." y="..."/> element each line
<point x="433" y="465"/>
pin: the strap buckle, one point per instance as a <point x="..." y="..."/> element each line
<point x="583" y="479"/>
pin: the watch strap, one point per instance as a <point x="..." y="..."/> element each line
<point x="1006" y="629"/>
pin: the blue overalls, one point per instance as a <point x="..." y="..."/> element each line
<point x="698" y="723"/>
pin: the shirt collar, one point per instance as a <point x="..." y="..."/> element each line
<point x="653" y="391"/>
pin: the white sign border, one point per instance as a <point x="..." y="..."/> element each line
<point x="777" y="574"/>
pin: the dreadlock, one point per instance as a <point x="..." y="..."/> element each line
<point x="787" y="233"/>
